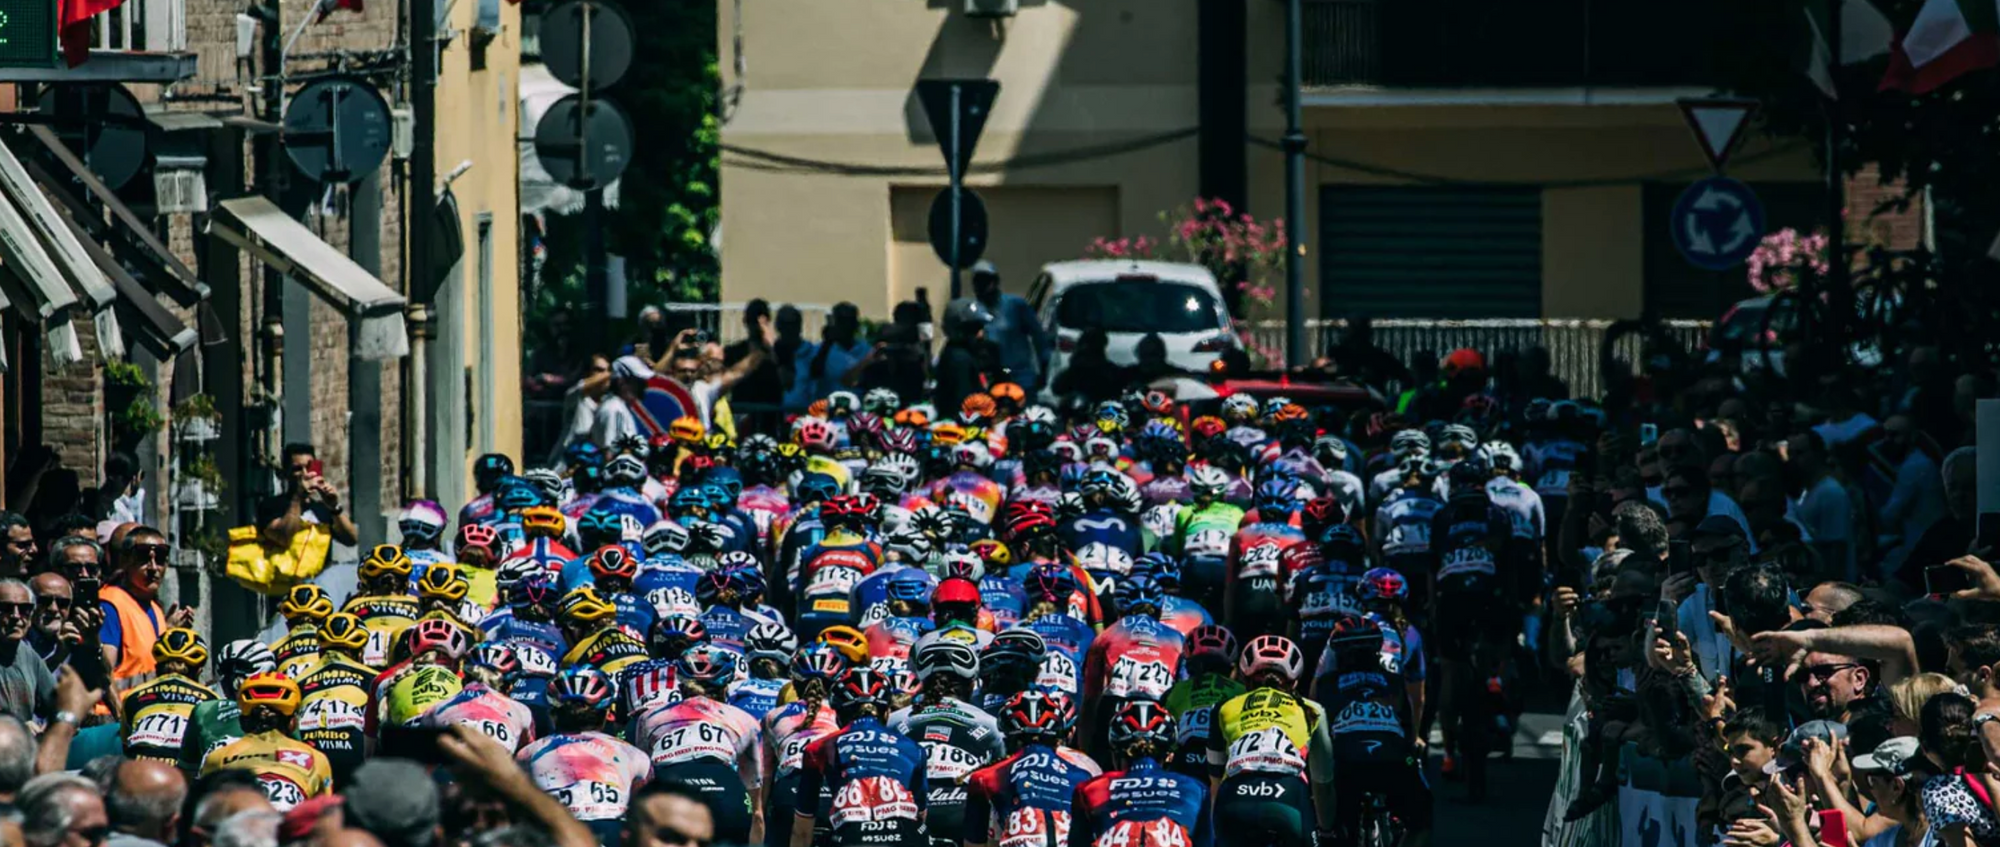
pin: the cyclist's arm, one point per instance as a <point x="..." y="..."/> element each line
<point x="1319" y="756"/>
<point x="806" y="813"/>
<point x="1218" y="748"/>
<point x="749" y="762"/>
<point x="1081" y="827"/>
<point x="978" y="830"/>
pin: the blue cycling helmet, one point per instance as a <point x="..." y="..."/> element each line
<point x="814" y="487"/>
<point x="747" y="581"/>
<point x="687" y="500"/>
<point x="709" y="587"/>
<point x="707" y="663"/>
<point x="675" y="633"/>
<point x="583" y="454"/>
<point x="1156" y="431"/>
<point x="536" y="589"/>
<point x="1470" y="474"/>
<point x="1139" y="590"/>
<point x="1071" y="477"/>
<point x="719" y="498"/>
<point x="818" y="660"/>
<point x="600" y="527"/>
<point x="725" y="478"/>
<point x="513" y="493"/>
<point x="1277" y="495"/>
<point x="583" y="686"/>
<point x="1050" y="581"/>
<point x="1164" y="569"/>
<point x="488" y="470"/>
<point x="909" y="586"/>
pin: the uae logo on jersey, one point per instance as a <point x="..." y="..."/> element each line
<point x="664" y="401"/>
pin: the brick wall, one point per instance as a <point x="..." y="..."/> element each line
<point x="1896" y="230"/>
<point x="73" y="407"/>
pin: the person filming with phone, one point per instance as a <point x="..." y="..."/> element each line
<point x="308" y="498"/>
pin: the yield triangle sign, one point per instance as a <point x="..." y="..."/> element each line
<point x="1717" y="123"/>
<point x="968" y="101"/>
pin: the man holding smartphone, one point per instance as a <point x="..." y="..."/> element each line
<point x="308" y="498"/>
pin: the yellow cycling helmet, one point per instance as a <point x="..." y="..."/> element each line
<point x="947" y="433"/>
<point x="848" y="640"/>
<point x="269" y="689"/>
<point x="384" y="560"/>
<point x="343" y="630"/>
<point x="993" y="552"/>
<point x="443" y="581"/>
<point x="718" y="441"/>
<point x="686" y="429"/>
<point x="584" y="604"/>
<point x="305" y="602"/>
<point x="543" y="522"/>
<point x="181" y="645"/>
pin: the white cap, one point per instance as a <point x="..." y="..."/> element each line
<point x="631" y="367"/>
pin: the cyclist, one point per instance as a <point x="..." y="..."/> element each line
<point x="612" y="571"/>
<point x="906" y="614"/>
<point x="422" y="524"/>
<point x="1403" y="446"/>
<point x="1372" y="731"/>
<point x="1024" y="798"/>
<point x="707" y="744"/>
<point x="1202" y="534"/>
<point x="589" y="624"/>
<point x="957" y="736"/>
<point x="404" y="695"/>
<point x="788" y="730"/>
<point x="1402" y="530"/>
<point x="833" y="565"/>
<point x="1253" y="604"/>
<point x="1068" y="637"/>
<point x="304" y="609"/>
<point x="904" y="580"/>
<point x="1322" y="582"/>
<point x="384" y="603"/>
<point x="718" y="591"/>
<point x="1382" y="593"/>
<point x="955" y="608"/>
<point x="487" y="472"/>
<point x="217" y="722"/>
<point x="529" y="616"/>
<point x="1104" y="519"/>
<point x="1471" y="624"/>
<point x="1009" y="665"/>
<point x="986" y="561"/>
<point x="1184" y="615"/>
<point x="1521" y="556"/>
<point x="1144" y="803"/>
<point x="876" y="775"/>
<point x="289" y="771"/>
<point x="589" y="772"/>
<point x="1135" y="659"/>
<point x="483" y="703"/>
<point x="1270" y="755"/>
<point x="335" y="695"/>
<point x="768" y="648"/>
<point x="1210" y="661"/>
<point x="441" y="595"/>
<point x="157" y="713"/>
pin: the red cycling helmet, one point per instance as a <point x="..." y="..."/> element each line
<point x="956" y="589"/>
<point x="438" y="635"/>
<point x="1032" y="713"/>
<point x="1323" y="512"/>
<point x="860" y="687"/>
<point x="1031" y="523"/>
<point x="613" y="560"/>
<point x="477" y="535"/>
<point x="1213" y="640"/>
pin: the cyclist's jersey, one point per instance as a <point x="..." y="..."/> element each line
<point x="1192" y="702"/>
<point x="1204" y="533"/>
<point x="609" y="650"/>
<point x="505" y="625"/>
<point x="698" y="729"/>
<point x="384" y="616"/>
<point x="333" y="709"/>
<point x="421" y="560"/>
<point x="1144" y="805"/>
<point x="213" y="725"/>
<point x="634" y="612"/>
<point x="666" y="571"/>
<point x="893" y="637"/>
<point x="1024" y="799"/>
<point x="972" y="491"/>
<point x="626" y="501"/>
<point x="1031" y="493"/>
<point x="763" y="505"/>
<point x="481" y="510"/>
<point x="756" y="697"/>
<point x="289" y="772"/>
<point x="590" y="773"/>
<point x="958" y="738"/>
<point x="788" y="730"/>
<point x="1522" y="506"/>
<point x="1345" y="489"/>
<point x="832" y="568"/>
<point x="158" y="715"/>
<point x="831" y="467"/>
<point x="1462" y="530"/>
<point x="1137" y="658"/>
<point x="727" y="627"/>
<point x="1184" y="615"/>
<point x="1106" y="527"/>
<point x="1368" y="715"/>
<point x="1321" y="594"/>
<point x="494" y="714"/>
<point x="298" y="651"/>
<point x="1161" y="490"/>
<point x="875" y="775"/>
<point x="1069" y="641"/>
<point x="1004" y="598"/>
<point x="1083" y="603"/>
<point x="412" y="697"/>
<point x="1256" y="568"/>
<point x="1403" y="523"/>
<point x="1384" y="484"/>
<point x="1264" y="731"/>
<point x="870" y="596"/>
<point x="1550" y="464"/>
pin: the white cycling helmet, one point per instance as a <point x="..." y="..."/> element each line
<point x="1239" y="407"/>
<point x="1207" y="480"/>
<point x="945" y="656"/>
<point x="1501" y="456"/>
<point x="1408" y="441"/>
<point x="1267" y="653"/>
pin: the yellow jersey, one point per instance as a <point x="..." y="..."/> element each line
<point x="157" y="715"/>
<point x="1265" y="730"/>
<point x="290" y="771"/>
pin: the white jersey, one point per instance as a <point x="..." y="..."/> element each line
<point x="1383" y="484"/>
<point x="1345" y="488"/>
<point x="1522" y="505"/>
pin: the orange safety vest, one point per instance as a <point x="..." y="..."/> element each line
<point x="137" y="632"/>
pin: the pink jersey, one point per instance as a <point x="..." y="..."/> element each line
<point x="495" y="714"/>
<point x="698" y="729"/>
<point x="591" y="773"/>
<point x="787" y="731"/>
<point x="977" y="495"/>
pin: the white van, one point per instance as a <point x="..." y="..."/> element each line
<point x="1127" y="299"/>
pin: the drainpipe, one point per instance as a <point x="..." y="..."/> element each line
<point x="415" y="419"/>
<point x="274" y="391"/>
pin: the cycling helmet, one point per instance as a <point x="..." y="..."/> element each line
<point x="584" y="605"/>
<point x="675" y="633"/>
<point x="946" y="657"/>
<point x="241" y="659"/>
<point x="1139" y="590"/>
<point x="820" y="661"/>
<point x="182" y="645"/>
<point x="1277" y="496"/>
<point x="1322" y="512"/>
<point x="1212" y="640"/>
<point x="973" y="454"/>
<point x="1382" y="584"/>
<point x="474" y="535"/>
<point x="861" y="686"/>
<point x="421" y="520"/>
<point x="977" y="408"/>
<point x="916" y="417"/>
<point x="770" y="641"/>
<point x="1016" y="641"/>
<point x="342" y="630"/>
<point x="1099" y="558"/>
<point x="909" y="543"/>
<point x="613" y="561"/>
<point x="710" y="587"/>
<point x="815" y="435"/>
<point x="947" y="433"/>
<point x="443" y="581"/>
<point x="1409" y="441"/>
<point x="1501" y="457"/>
<point x="1097" y="480"/>
<point x="1033" y="713"/>
<point x="514" y="494"/>
<point x="1034" y="521"/>
<point x="1239" y="407"/>
<point x="1355" y="632"/>
<point x="549" y="481"/>
<point x="271" y="689"/>
<point x="848" y="640"/>
<point x="993" y="552"/>
<point x="583" y="454"/>
<point x="1271" y="653"/>
<point x="1008" y="395"/>
<point x="1459" y="434"/>
<point x="902" y="681"/>
<point x="1344" y="542"/>
<point x="708" y="664"/>
<point x="1470" y="474"/>
<point x="543" y="522"/>
<point x="1142" y="721"/>
<point x="1207" y="480"/>
<point x="909" y="585"/>
<point x="1111" y="417"/>
<point x="899" y="442"/>
<point x="488" y="469"/>
<point x="686" y="501"/>
<point x="386" y="560"/>
<point x="305" y="602"/>
<point x="625" y="470"/>
<point x="881" y="401"/>
<point x="959" y="560"/>
<point x="498" y="655"/>
<point x="886" y="480"/>
<point x="1164" y="569"/>
<point x="663" y="537"/>
<point x="582" y="686"/>
<point x="538" y="588"/>
<point x="746" y="580"/>
<point x="438" y="635"/>
<point x="686" y="429"/>
<point x="1330" y="451"/>
<point x="1050" y="582"/>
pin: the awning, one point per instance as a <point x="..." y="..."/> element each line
<point x="34" y="285"/>
<point x="84" y="276"/>
<point x="174" y="279"/>
<point x="259" y="226"/>
<point x="158" y="329"/>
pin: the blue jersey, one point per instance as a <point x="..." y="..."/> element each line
<point x="755" y="696"/>
<point x="667" y="570"/>
<point x="1025" y="796"/>
<point x="875" y="775"/>
<point x="1106" y="527"/>
<point x="1403" y="524"/>
<point x="627" y="501"/>
<point x="1068" y="641"/>
<point x="503" y="625"/>
<point x="870" y="596"/>
<point x="634" y="612"/>
<point x="1004" y="598"/>
<point x="726" y="627"/>
<point x="1143" y="804"/>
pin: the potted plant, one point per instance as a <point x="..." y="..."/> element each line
<point x="196" y="419"/>
<point x="200" y="485"/>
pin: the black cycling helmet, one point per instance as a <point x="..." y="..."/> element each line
<point x="488" y="469"/>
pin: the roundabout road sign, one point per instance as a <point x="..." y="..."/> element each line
<point x="1717" y="223"/>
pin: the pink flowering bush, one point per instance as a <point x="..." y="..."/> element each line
<point x="1243" y="252"/>
<point x="1777" y="262"/>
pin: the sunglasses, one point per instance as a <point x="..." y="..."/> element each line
<point x="1822" y="673"/>
<point x="21" y="610"/>
<point x="151" y="552"/>
<point x="54" y="602"/>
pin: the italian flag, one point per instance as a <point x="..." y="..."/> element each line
<point x="1949" y="38"/>
<point x="1864" y="34"/>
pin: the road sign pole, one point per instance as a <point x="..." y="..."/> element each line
<point x="1295" y="194"/>
<point x="957" y="196"/>
<point x="596" y="288"/>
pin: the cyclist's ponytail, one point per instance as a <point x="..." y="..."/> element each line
<point x="812" y="692"/>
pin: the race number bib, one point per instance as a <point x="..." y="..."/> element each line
<point x="1138" y="678"/>
<point x="1259" y="561"/>
<point x="1031" y="827"/>
<point x="1194" y="724"/>
<point x="283" y="793"/>
<point x="381" y="643"/>
<point x="159" y="729"/>
<point x="1408" y="538"/>
<point x="496" y="730"/>
<point x="949" y="763"/>
<point x="693" y="742"/>
<point x="1208" y="542"/>
<point x="1160" y="832"/>
<point x="332" y="713"/>
<point x="833" y="579"/>
<point x="592" y="801"/>
<point x="1553" y="481"/>
<point x="674" y="602"/>
<point x="1267" y="750"/>
<point x="792" y="753"/>
<point x="873" y="798"/>
<point x="1467" y="560"/>
<point x="1058" y="673"/>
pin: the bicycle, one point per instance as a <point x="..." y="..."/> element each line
<point x="1379" y="828"/>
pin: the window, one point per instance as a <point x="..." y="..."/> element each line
<point x="1431" y="252"/>
<point x="1138" y="306"/>
<point x="158" y="26"/>
<point x="489" y="352"/>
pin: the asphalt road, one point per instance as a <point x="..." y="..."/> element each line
<point x="1517" y="791"/>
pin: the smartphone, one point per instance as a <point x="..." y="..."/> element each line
<point x="1666" y="620"/>
<point x="700" y="336"/>
<point x="316" y="468"/>
<point x="1945" y="580"/>
<point x="1680" y="557"/>
<point x="417" y="743"/>
<point x="1648" y="433"/>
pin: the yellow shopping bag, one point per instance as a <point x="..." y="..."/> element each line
<point x="273" y="571"/>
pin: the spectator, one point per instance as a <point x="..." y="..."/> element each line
<point x="395" y="801"/>
<point x="62" y="810"/>
<point x="1090" y="377"/>
<point x="580" y="401"/>
<point x="839" y="352"/>
<point x="615" y="420"/>
<point x="254" y="828"/>
<point x="762" y="392"/>
<point x="707" y="383"/>
<point x="1951" y="743"/>
<point x="1822" y="504"/>
<point x="27" y="690"/>
<point x="133" y="619"/>
<point x="899" y="363"/>
<point x="308" y="498"/>
<point x="787" y="348"/>
<point x="1022" y="342"/>
<point x="1916" y="499"/>
<point x="665" y="814"/>
<point x="17" y="762"/>
<point x="120" y="498"/>
<point x="961" y="368"/>
<point x="17" y="545"/>
<point x="215" y="798"/>
<point x="144" y="803"/>
<point x="54" y="631"/>
<point x="1359" y="359"/>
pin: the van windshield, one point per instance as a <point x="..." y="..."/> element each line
<point x="1138" y="306"/>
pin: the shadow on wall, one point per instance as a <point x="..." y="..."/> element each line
<point x="965" y="48"/>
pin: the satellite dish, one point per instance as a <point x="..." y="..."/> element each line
<point x="584" y="149"/>
<point x="104" y="124"/>
<point x="338" y="129"/>
<point x="562" y="40"/>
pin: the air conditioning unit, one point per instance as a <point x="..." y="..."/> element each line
<point x="991" y="8"/>
<point x="179" y="191"/>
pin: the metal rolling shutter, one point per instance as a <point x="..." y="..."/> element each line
<point x="1431" y="252"/>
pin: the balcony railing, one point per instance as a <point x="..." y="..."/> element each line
<point x="1501" y="44"/>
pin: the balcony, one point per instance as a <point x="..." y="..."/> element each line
<point x="1445" y="44"/>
